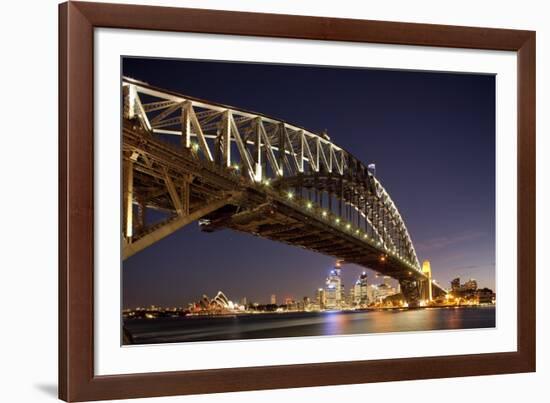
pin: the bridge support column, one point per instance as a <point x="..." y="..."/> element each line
<point x="128" y="195"/>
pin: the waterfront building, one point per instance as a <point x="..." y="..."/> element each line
<point x="376" y="293"/>
<point x="273" y="299"/>
<point x="485" y="296"/>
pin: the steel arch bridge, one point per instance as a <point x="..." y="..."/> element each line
<point x="230" y="168"/>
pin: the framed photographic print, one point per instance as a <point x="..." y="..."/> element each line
<point x="253" y="201"/>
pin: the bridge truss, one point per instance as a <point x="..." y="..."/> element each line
<point x="231" y="168"/>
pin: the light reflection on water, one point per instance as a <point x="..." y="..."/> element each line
<point x="166" y="330"/>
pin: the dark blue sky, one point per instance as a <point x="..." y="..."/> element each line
<point x="431" y="135"/>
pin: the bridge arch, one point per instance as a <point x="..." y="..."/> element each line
<point x="238" y="169"/>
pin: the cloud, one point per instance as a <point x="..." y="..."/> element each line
<point x="446" y="241"/>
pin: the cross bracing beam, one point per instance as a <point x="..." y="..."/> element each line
<point x="173" y="225"/>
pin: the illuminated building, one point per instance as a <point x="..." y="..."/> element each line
<point x="321" y="299"/>
<point x="377" y="293"/>
<point x="334" y="289"/>
<point x="455" y="284"/>
<point x="359" y="294"/>
<point x="355" y="294"/>
<point x="273" y="299"/>
<point x="306" y="302"/>
<point x="470" y="285"/>
<point x="485" y="296"/>
<point x="468" y="289"/>
<point x="372" y="293"/>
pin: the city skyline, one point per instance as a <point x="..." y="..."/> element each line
<point x="444" y="192"/>
<point x="363" y="279"/>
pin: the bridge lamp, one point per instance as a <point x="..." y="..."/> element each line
<point x="266" y="182"/>
<point x="309" y="205"/>
<point x="195" y="147"/>
<point x="324" y="213"/>
<point x="337" y="221"/>
<point x="236" y="167"/>
<point x="382" y="258"/>
<point x="356" y="231"/>
<point x="290" y="195"/>
<point x="348" y="226"/>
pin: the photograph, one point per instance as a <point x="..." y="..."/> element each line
<point x="264" y="200"/>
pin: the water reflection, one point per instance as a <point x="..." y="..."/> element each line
<point x="166" y="330"/>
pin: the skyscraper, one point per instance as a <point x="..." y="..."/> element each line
<point x="364" y="299"/>
<point x="334" y="289"/>
<point x="273" y="299"/>
<point x="356" y="293"/>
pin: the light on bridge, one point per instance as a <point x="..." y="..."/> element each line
<point x="309" y="205"/>
<point x="290" y="195"/>
<point x="337" y="221"/>
<point x="348" y="226"/>
<point x="324" y="213"/>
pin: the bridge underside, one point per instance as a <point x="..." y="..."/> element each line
<point x="277" y="221"/>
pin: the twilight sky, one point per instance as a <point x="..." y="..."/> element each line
<point x="431" y="135"/>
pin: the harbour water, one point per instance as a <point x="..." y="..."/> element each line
<point x="296" y="324"/>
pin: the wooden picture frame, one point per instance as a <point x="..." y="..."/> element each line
<point x="77" y="21"/>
